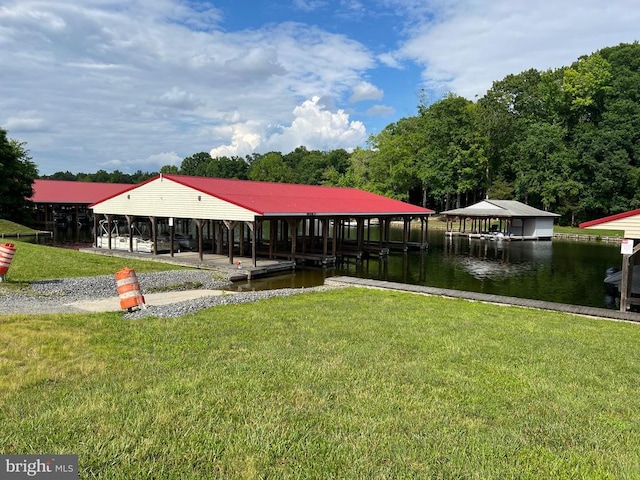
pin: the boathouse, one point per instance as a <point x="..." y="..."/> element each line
<point x="629" y="222"/>
<point x="500" y="219"/>
<point x="302" y="223"/>
<point x="65" y="202"/>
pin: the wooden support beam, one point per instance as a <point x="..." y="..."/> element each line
<point x="154" y="233"/>
<point x="130" y="220"/>
<point x="199" y="231"/>
<point x="406" y="233"/>
<point x="293" y="226"/>
<point x="325" y="236"/>
<point x="231" y="225"/>
<point x="273" y="228"/>
<point x="254" y="226"/>
<point x="360" y="233"/>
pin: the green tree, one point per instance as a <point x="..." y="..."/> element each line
<point x="271" y="167"/>
<point x="544" y="166"/>
<point x="586" y="83"/>
<point x="226" y="167"/>
<point x="392" y="170"/>
<point x="196" y="164"/>
<point x="17" y="174"/>
<point x="452" y="165"/>
<point x="356" y="174"/>
<point x="68" y="176"/>
<point x="169" y="169"/>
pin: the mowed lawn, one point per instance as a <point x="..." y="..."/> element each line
<point x="350" y="383"/>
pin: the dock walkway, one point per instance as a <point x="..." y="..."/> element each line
<point x="242" y="268"/>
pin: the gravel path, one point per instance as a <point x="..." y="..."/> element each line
<point x="54" y="296"/>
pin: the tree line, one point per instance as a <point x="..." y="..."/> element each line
<point x="565" y="140"/>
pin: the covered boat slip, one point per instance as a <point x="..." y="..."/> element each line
<point x="304" y="239"/>
<point x="300" y="223"/>
<point x="500" y="220"/>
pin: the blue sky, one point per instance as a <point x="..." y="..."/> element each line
<point x="138" y="84"/>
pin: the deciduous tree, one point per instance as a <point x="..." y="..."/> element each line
<point x="17" y="174"/>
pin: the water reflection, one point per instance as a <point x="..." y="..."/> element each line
<point x="559" y="271"/>
<point x="485" y="259"/>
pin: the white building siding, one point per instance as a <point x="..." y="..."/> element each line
<point x="630" y="226"/>
<point x="166" y="198"/>
<point x="542" y="228"/>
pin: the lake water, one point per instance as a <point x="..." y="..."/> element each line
<point x="564" y="271"/>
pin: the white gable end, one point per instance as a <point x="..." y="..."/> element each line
<point x="630" y="226"/>
<point x="166" y="198"/>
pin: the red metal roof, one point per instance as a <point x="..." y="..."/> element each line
<point x="62" y="191"/>
<point x="610" y="218"/>
<point x="267" y="198"/>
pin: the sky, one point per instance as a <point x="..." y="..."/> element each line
<point x="138" y="84"/>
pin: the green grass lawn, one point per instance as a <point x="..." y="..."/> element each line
<point x="349" y="383"/>
<point x="586" y="231"/>
<point x="40" y="262"/>
<point x="12" y="228"/>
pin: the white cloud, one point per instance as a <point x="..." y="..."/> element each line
<point x="389" y="59"/>
<point x="164" y="158"/>
<point x="365" y="91"/>
<point x="313" y="126"/>
<point x="309" y="5"/>
<point x="152" y="162"/>
<point x="176" y="98"/>
<point x="318" y="128"/>
<point x="25" y="122"/>
<point x="245" y="139"/>
<point x="477" y="42"/>
<point x="382" y="110"/>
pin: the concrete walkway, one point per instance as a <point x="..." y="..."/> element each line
<point x="112" y="304"/>
<point x="488" y="298"/>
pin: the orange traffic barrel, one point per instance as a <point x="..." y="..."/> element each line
<point x="129" y="290"/>
<point x="6" y="255"/>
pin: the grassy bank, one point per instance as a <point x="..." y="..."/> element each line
<point x="12" y="228"/>
<point x="33" y="262"/>
<point x="585" y="231"/>
<point x="340" y="384"/>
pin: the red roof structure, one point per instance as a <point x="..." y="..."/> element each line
<point x="73" y="193"/>
<point x="280" y="217"/>
<point x="268" y="198"/>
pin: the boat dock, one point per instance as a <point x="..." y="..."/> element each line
<point x="492" y="236"/>
<point x="242" y="268"/>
